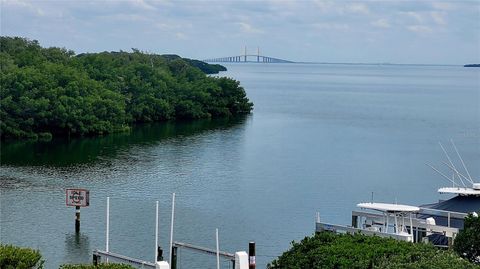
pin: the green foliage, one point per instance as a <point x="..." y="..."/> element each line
<point x="100" y="266"/>
<point x="47" y="92"/>
<point x="205" y="67"/>
<point x="329" y="250"/>
<point x="12" y="257"/>
<point x="467" y="242"/>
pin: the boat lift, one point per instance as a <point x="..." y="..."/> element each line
<point x="240" y="260"/>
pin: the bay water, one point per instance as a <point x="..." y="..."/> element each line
<point x="321" y="138"/>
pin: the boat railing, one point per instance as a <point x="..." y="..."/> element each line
<point x="442" y="213"/>
<point x="417" y="223"/>
<point x="321" y="226"/>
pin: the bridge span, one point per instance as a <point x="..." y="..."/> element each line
<point x="251" y="58"/>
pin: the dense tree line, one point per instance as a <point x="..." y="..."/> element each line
<point x="330" y="250"/>
<point x="52" y="91"/>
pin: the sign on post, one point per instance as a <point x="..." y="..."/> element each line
<point x="77" y="197"/>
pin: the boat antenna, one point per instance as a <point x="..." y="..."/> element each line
<point x="461" y="159"/>
<point x="440" y="173"/>
<point x="456" y="171"/>
<point x="372" y="198"/>
<point x="449" y="160"/>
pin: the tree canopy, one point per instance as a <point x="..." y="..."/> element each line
<point x="467" y="242"/>
<point x="52" y="91"/>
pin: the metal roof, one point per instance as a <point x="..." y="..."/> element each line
<point x="459" y="191"/>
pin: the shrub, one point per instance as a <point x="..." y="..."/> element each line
<point x="329" y="250"/>
<point x="467" y="242"/>
<point x="12" y="257"/>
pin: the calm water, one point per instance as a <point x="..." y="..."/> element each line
<point x="321" y="138"/>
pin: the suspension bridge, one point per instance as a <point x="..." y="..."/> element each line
<point x="245" y="57"/>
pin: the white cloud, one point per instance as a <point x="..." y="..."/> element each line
<point x="419" y="28"/>
<point x="331" y="26"/>
<point x="415" y="15"/>
<point x="181" y="36"/>
<point x="438" y="17"/>
<point x="324" y="5"/>
<point x="248" y="28"/>
<point x="23" y="5"/>
<point x="357" y="8"/>
<point x="381" y="23"/>
<point x="142" y="4"/>
<point x="445" y="6"/>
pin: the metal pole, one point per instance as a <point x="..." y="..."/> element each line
<point x="411" y="227"/>
<point x="171" y="227"/>
<point x="156" y="234"/>
<point x="218" y="249"/>
<point x="460" y="157"/>
<point x="77" y="219"/>
<point x="396" y="223"/>
<point x="251" y="255"/>
<point x="108" y="227"/>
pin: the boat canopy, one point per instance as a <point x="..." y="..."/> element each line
<point x="391" y="208"/>
<point x="460" y="191"/>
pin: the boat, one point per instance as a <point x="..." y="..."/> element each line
<point x="437" y="223"/>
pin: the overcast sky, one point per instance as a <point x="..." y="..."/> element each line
<point x="438" y="32"/>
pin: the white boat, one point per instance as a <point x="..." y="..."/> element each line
<point x="438" y="223"/>
<point x="394" y="216"/>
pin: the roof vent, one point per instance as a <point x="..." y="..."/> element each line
<point x="476" y="186"/>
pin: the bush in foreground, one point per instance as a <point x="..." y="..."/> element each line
<point x="12" y="257"/>
<point x="467" y="242"/>
<point x="329" y="250"/>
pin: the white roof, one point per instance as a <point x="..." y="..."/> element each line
<point x="389" y="207"/>
<point x="459" y="191"/>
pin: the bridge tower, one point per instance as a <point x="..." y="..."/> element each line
<point x="245" y="54"/>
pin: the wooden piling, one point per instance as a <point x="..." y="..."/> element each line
<point x="251" y="255"/>
<point x="77" y="219"/>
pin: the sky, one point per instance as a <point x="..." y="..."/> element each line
<point x="393" y="31"/>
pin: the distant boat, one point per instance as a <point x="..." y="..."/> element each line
<point x="472" y="65"/>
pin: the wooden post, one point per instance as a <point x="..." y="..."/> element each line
<point x="251" y="255"/>
<point x="174" y="258"/>
<point x="77" y="219"/>
<point x="354" y="221"/>
<point x="159" y="254"/>
<point x="96" y="259"/>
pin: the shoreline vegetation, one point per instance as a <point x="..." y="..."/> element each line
<point x="52" y="92"/>
<point x="472" y="65"/>
<point x="330" y="250"/>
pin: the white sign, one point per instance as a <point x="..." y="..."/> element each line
<point x="77" y="197"/>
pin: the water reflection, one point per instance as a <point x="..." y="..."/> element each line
<point x="77" y="248"/>
<point x="65" y="152"/>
